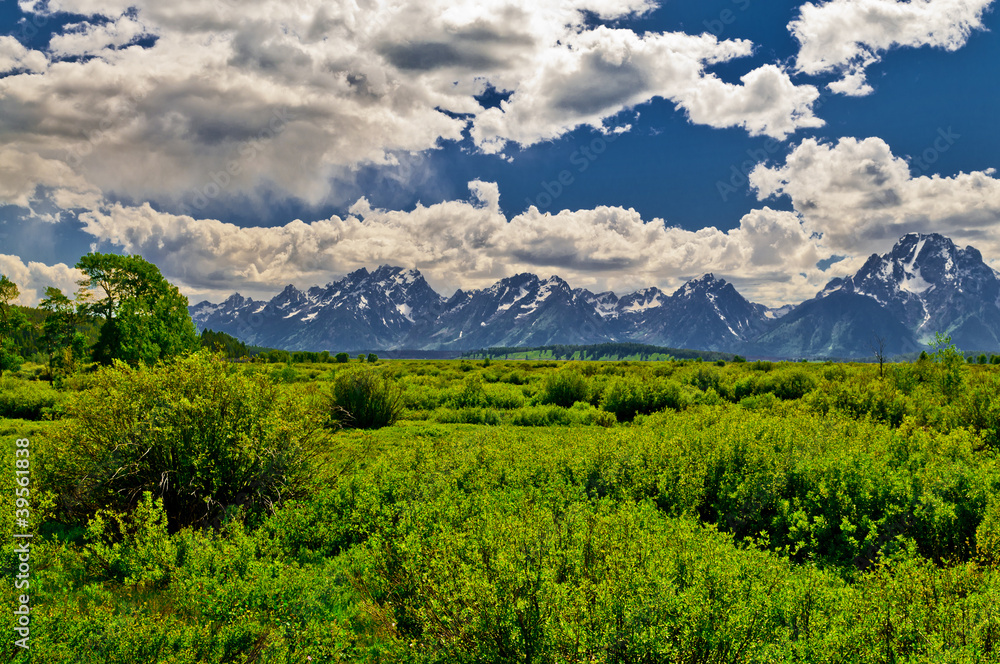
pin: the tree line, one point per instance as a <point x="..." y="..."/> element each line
<point x="124" y="309"/>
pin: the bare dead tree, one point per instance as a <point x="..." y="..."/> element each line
<point x="877" y="344"/>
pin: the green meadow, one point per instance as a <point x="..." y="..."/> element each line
<point x="204" y="510"/>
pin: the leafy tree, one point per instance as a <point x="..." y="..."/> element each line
<point x="61" y="337"/>
<point x="10" y="320"/>
<point x="950" y="363"/>
<point x="145" y="317"/>
<point x="342" y="358"/>
<point x="372" y="358"/>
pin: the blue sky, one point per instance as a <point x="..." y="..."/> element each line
<point x="611" y="142"/>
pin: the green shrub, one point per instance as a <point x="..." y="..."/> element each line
<point x="27" y="400"/>
<point x="471" y="394"/>
<point x="365" y="399"/>
<point x="630" y="395"/>
<point x="503" y="397"/>
<point x="515" y="378"/>
<point x="979" y="408"/>
<point x="485" y="416"/>
<point x="586" y="414"/>
<point x="764" y="401"/>
<point x="859" y="398"/>
<point x="133" y="548"/>
<point x="201" y="434"/>
<point x="791" y="384"/>
<point x="705" y="378"/>
<point x="626" y="397"/>
<point x="564" y="388"/>
<point x="540" y="416"/>
<point x="286" y="374"/>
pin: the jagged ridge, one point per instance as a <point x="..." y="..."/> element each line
<point x="925" y="284"/>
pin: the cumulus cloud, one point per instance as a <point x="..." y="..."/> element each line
<point x="467" y="244"/>
<point x="234" y="98"/>
<point x="86" y="38"/>
<point x="33" y="278"/>
<point x="861" y="197"/>
<point x="847" y="36"/>
<point x="598" y="73"/>
<point x="14" y="56"/>
<point x="21" y="175"/>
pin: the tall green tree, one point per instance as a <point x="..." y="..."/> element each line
<point x="62" y="339"/>
<point x="145" y="317"/>
<point x="10" y="320"/>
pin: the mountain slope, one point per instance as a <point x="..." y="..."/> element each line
<point x="522" y="310"/>
<point x="706" y="313"/>
<point x="361" y="311"/>
<point x="923" y="286"/>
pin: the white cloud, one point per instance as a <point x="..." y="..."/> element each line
<point x="598" y="73"/>
<point x="85" y="38"/>
<point x="469" y="245"/>
<point x="21" y="174"/>
<point x="862" y="197"/>
<point x="33" y="278"/>
<point x="14" y="56"/>
<point x="847" y="36"/>
<point x="192" y="117"/>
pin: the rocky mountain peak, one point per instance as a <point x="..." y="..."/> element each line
<point x="703" y="285"/>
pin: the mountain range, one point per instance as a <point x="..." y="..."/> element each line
<point x="924" y="285"/>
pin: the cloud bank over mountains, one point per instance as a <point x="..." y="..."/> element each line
<point x="140" y="102"/>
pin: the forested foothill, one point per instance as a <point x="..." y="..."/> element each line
<point x="193" y="502"/>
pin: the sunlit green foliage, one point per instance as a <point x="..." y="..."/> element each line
<point x="520" y="511"/>
<point x="365" y="399"/>
<point x="202" y="436"/>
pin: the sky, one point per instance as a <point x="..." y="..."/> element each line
<point x="620" y="144"/>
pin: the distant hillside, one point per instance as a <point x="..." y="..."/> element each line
<point x="599" y="352"/>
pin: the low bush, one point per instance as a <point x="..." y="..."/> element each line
<point x="365" y="399"/>
<point x="27" y="400"/>
<point x="979" y="408"/>
<point x="203" y="436"/>
<point x="132" y="548"/>
<point x="503" y="397"/>
<point x="632" y="395"/>
<point x="486" y="416"/>
<point x="471" y="394"/>
<point x="860" y="399"/>
<point x="564" y="388"/>
<point x="541" y="416"/>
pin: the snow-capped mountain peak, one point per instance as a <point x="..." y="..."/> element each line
<point x="931" y="285"/>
